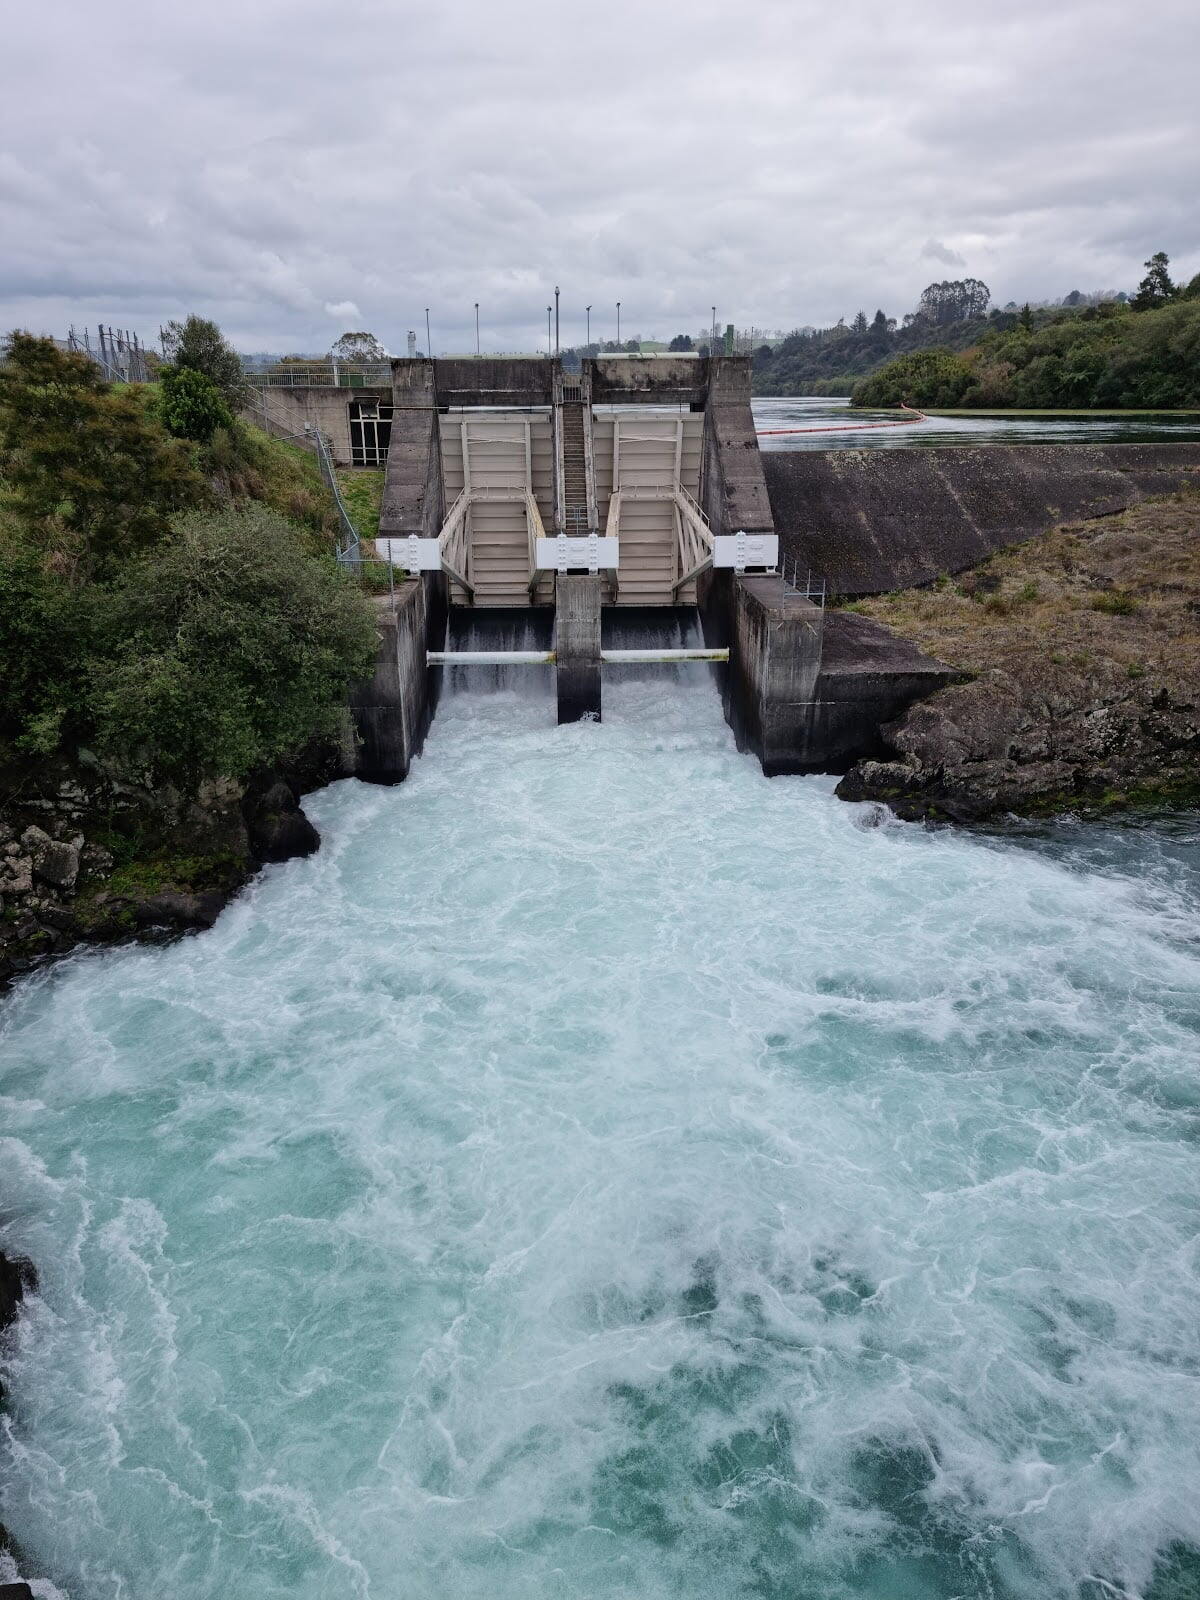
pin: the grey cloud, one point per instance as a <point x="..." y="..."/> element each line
<point x="269" y="164"/>
<point x="935" y="250"/>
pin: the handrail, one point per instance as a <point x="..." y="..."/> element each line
<point x="350" y="553"/>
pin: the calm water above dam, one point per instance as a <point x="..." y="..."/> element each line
<point x="961" y="429"/>
<point x="602" y="1172"/>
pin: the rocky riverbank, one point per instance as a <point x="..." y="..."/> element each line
<point x="92" y="856"/>
<point x="1084" y="653"/>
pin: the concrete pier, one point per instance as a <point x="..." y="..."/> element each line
<point x="577" y="645"/>
<point x="392" y="710"/>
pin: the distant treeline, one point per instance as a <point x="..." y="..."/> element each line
<point x="1143" y="354"/>
<point x="953" y="320"/>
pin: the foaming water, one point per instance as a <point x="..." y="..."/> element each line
<point x="602" y="1172"/>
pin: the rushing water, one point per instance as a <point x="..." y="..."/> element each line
<point x="602" y="1172"/>
<point x="839" y="430"/>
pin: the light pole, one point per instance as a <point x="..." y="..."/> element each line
<point x="712" y="348"/>
<point x="555" y="319"/>
<point x="477" y="330"/>
<point x="589" y="330"/>
<point x="549" y="346"/>
<point x="428" y="338"/>
<point x="618" y="324"/>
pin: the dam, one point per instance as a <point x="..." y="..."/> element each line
<point x="528" y="504"/>
<point x="600" y="1171"/>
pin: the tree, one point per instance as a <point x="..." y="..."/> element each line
<point x="1074" y="298"/>
<point x="681" y="341"/>
<point x="1156" y="287"/>
<point x="957" y="300"/>
<point x="1026" y="317"/>
<point x="224" y="649"/>
<point x="859" y="324"/>
<point x="90" y="473"/>
<point x="190" y="405"/>
<point x="200" y="345"/>
<point x="879" y="323"/>
<point x="358" y="347"/>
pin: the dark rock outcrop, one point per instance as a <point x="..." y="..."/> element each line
<point x="88" y="855"/>
<point x="1035" y="738"/>
<point x="278" y="829"/>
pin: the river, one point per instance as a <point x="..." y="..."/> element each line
<point x="840" y="429"/>
<point x="603" y="1172"/>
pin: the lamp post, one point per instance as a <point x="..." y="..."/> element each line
<point x="477" y="330"/>
<point x="618" y="324"/>
<point x="712" y="348"/>
<point x="555" y="319"/>
<point x="428" y="338"/>
<point x="589" y="330"/>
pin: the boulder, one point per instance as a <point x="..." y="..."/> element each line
<point x="174" y="909"/>
<point x="54" y="861"/>
<point x="277" y="828"/>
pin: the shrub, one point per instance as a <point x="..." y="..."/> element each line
<point x="1114" y="603"/>
<point x="224" y="649"/>
<point x="924" y="378"/>
<point x="88" y="471"/>
<point x="39" y="651"/>
<point x="200" y="346"/>
<point x="190" y="405"/>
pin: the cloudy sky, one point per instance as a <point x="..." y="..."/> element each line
<point x="295" y="169"/>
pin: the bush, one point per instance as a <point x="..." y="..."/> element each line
<point x="89" y="473"/>
<point x="39" y="651"/>
<point x="924" y="378"/>
<point x="200" y="346"/>
<point x="224" y="649"/>
<point x="190" y="405"/>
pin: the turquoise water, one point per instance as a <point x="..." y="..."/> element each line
<point x="602" y="1172"/>
<point x="840" y="429"/>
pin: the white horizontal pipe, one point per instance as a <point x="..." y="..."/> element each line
<point x="490" y="658"/>
<point x="620" y="657"/>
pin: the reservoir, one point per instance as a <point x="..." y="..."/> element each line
<point x="831" y="416"/>
<point x="602" y="1171"/>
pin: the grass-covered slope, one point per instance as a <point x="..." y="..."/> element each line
<point x="1084" y="650"/>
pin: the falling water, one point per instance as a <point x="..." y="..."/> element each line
<point x="604" y="1172"/>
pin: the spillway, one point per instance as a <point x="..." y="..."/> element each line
<point x="602" y="1171"/>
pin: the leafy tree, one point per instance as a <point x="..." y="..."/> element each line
<point x="190" y="405"/>
<point x="956" y="300"/>
<point x="879" y="323"/>
<point x="1026" y="317"/>
<point x="859" y="325"/>
<point x="39" y="639"/>
<point x="1075" y="298"/>
<point x="358" y="347"/>
<point x="1191" y="290"/>
<point x="224" y="649"/>
<point x="681" y="341"/>
<point x="1156" y="287"/>
<point x="926" y="377"/>
<point x="89" y="472"/>
<point x="200" y="345"/>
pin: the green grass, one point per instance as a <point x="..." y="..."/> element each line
<point x="362" y="490"/>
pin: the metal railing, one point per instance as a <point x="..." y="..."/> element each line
<point x="349" y="552"/>
<point x="808" y="587"/>
<point x="322" y="375"/>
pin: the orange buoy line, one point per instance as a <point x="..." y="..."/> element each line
<point x="850" y="427"/>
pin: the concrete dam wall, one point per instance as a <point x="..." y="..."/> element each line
<point x="869" y="521"/>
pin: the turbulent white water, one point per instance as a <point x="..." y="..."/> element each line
<point x="603" y="1172"/>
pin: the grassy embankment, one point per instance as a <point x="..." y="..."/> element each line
<point x="1104" y="602"/>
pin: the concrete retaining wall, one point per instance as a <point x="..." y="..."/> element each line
<point x="393" y="709"/>
<point x="873" y="520"/>
<point x="288" y="411"/>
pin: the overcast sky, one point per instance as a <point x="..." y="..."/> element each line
<point x="296" y="169"/>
